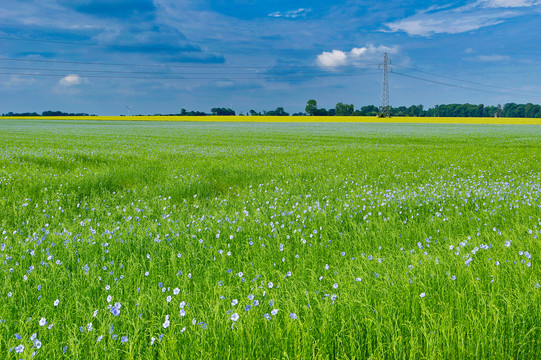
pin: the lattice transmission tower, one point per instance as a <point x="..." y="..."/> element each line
<point x="385" y="109"/>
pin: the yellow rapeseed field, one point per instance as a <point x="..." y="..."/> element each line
<point x="305" y="119"/>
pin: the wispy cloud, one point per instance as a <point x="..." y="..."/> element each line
<point x="119" y="8"/>
<point x="292" y="14"/>
<point x="490" y="58"/>
<point x="369" y="53"/>
<point x="508" y="3"/>
<point x="470" y="17"/>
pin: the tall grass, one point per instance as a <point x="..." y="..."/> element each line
<point x="221" y="240"/>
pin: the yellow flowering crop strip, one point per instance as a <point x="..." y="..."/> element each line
<point x="303" y="119"/>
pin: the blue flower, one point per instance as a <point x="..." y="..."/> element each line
<point x="293" y="316"/>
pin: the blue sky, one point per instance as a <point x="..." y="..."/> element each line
<point x="159" y="56"/>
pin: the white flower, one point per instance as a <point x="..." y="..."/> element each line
<point x="235" y="317"/>
<point x="422" y="295"/>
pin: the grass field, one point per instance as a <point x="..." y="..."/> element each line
<point x="170" y="240"/>
<point x="306" y="119"/>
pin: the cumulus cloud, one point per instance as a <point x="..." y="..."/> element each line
<point x="291" y="14"/>
<point x="355" y="56"/>
<point x="71" y="80"/>
<point x="469" y="17"/>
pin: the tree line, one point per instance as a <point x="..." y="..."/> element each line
<point x="528" y="110"/>
<point x="450" y="110"/>
<point x="45" y="113"/>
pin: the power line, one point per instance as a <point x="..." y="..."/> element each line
<point x="205" y="66"/>
<point x="193" y="78"/>
<point x="164" y="73"/>
<point x="188" y="49"/>
<point x="468" y="81"/>
<point x="462" y="87"/>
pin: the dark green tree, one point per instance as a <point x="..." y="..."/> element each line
<point x="342" y="109"/>
<point x="311" y="107"/>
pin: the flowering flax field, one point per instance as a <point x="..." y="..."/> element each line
<point x="161" y="240"/>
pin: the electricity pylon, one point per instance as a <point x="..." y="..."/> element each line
<point x="385" y="109"/>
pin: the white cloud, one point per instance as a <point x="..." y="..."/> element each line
<point x="19" y="81"/>
<point x="291" y="14"/>
<point x="491" y="58"/>
<point x="508" y="3"/>
<point x="71" y="80"/>
<point x="470" y="17"/>
<point x="449" y="23"/>
<point x="355" y="56"/>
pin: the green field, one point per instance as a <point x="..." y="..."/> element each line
<point x="170" y="240"/>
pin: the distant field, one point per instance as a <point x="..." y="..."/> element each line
<point x="218" y="240"/>
<point x="308" y="119"/>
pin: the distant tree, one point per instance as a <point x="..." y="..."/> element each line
<point x="320" y="112"/>
<point x="311" y="107"/>
<point x="369" y="110"/>
<point x="60" y="113"/>
<point x="34" y="114"/>
<point x="344" y="109"/>
<point x="278" y="112"/>
<point x="222" y="111"/>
